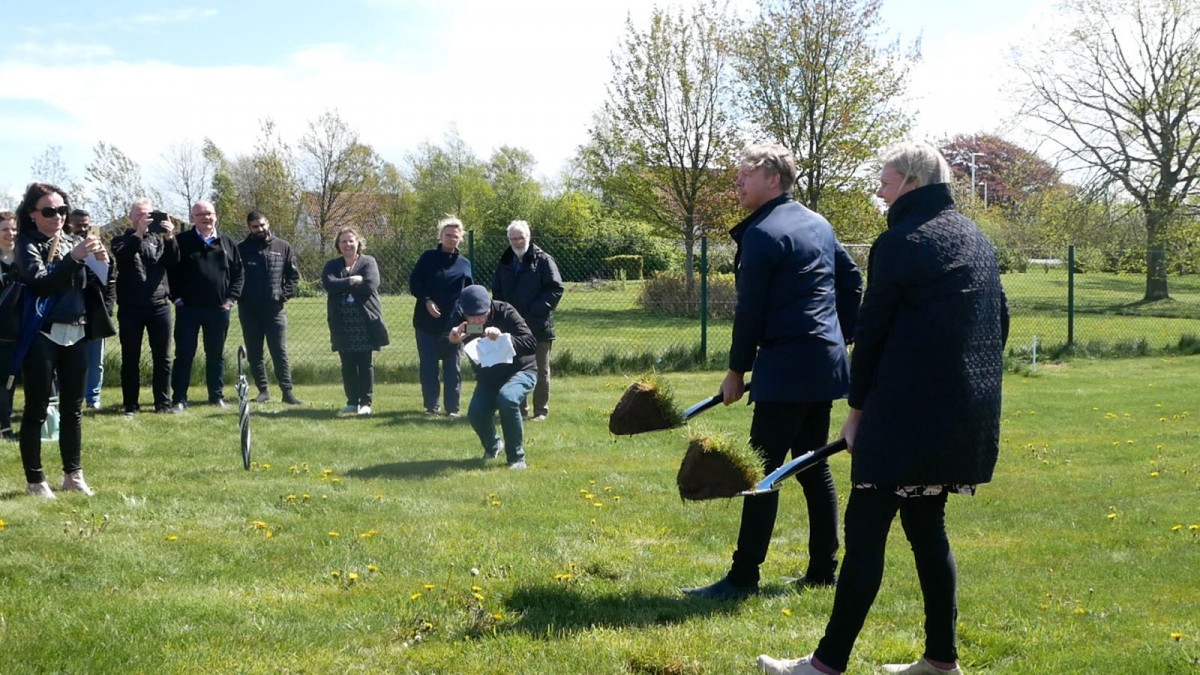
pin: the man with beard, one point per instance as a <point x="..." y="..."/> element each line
<point x="271" y="276"/>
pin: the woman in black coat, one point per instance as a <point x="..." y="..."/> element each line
<point x="72" y="311"/>
<point x="924" y="417"/>
<point x="355" y="313"/>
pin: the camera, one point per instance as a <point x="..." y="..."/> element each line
<point x="156" y="221"/>
<point x="475" y="329"/>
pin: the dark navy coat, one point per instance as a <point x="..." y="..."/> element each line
<point x="797" y="299"/>
<point x="929" y="349"/>
<point x="439" y="276"/>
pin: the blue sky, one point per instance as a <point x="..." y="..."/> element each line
<point x="145" y="75"/>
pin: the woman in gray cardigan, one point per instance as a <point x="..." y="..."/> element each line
<point x="355" y="315"/>
<point x="924" y="417"/>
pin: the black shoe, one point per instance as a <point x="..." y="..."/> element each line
<point x="7" y="434"/>
<point x="128" y="411"/>
<point x="219" y="402"/>
<point x="290" y="398"/>
<point x="263" y="396"/>
<point x="722" y="590"/>
<point x="807" y="582"/>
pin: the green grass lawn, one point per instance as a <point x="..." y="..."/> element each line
<point x="385" y="544"/>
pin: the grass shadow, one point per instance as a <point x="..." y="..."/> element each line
<point x="417" y="469"/>
<point x="558" y="611"/>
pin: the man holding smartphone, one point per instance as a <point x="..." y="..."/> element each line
<point x="79" y="223"/>
<point x="500" y="385"/>
<point x="142" y="255"/>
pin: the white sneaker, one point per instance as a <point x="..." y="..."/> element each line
<point x="349" y="409"/>
<point x="74" y="482"/>
<point x="41" y="489"/>
<point x="921" y="667"/>
<point x="364" y="410"/>
<point x="787" y="666"/>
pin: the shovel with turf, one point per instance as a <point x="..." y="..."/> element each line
<point x="649" y="405"/>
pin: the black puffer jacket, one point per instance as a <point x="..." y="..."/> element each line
<point x="271" y="273"/>
<point x="79" y="294"/>
<point x="534" y="289"/>
<point x="929" y="349"/>
<point x="142" y="268"/>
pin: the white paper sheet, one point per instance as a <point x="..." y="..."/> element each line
<point x="100" y="268"/>
<point x="487" y="353"/>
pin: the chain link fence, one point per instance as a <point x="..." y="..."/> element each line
<point x="630" y="306"/>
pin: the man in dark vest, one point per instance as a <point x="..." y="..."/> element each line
<point x="271" y="280"/>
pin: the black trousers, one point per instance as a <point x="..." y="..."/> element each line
<point x="869" y="516"/>
<point x="776" y="429"/>
<point x="44" y="359"/>
<point x="189" y="321"/>
<point x="269" y="322"/>
<point x="358" y="377"/>
<point x="155" y="322"/>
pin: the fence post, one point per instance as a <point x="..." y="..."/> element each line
<point x="704" y="299"/>
<point x="1071" y="295"/>
<point x="471" y="250"/>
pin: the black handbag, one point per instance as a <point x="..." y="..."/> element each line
<point x="12" y="306"/>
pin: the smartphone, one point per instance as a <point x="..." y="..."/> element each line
<point x="475" y="329"/>
<point x="156" y="220"/>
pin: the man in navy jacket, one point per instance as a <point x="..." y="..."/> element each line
<point x="797" y="299"/>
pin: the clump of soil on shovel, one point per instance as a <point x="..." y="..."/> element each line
<point x="647" y="405"/>
<point x="717" y="468"/>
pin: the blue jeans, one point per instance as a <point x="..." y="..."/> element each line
<point x="507" y="399"/>
<point x="429" y="352"/>
<point x="95" y="371"/>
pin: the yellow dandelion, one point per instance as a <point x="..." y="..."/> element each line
<point x="335" y="480"/>
<point x="365" y="535"/>
<point x="1177" y="636"/>
<point x="496" y="503"/>
<point x="497" y="616"/>
<point x="430" y="587"/>
<point x="589" y="496"/>
<point x="294" y="469"/>
<point x="1176" y="528"/>
<point x="478" y="596"/>
<point x="306" y="496"/>
<point x="1193" y="528"/>
<point x="1129" y="442"/>
<point x="476" y="589"/>
<point x="258" y="524"/>
<point x="1080" y="610"/>
<point x="493" y="495"/>
<point x="2" y="524"/>
<point x="1094" y="408"/>
<point x="324" y="496"/>
<point x="170" y="537"/>
<point x="608" y="488"/>
<point x="372" y="568"/>
<point x="1154" y="474"/>
<point x="787" y="612"/>
<point x="1158" y="447"/>
<point x="378" y="498"/>
<point x="335" y="574"/>
<point x="270" y="534"/>
<point x="334" y="533"/>
<point x="1112" y="516"/>
<point x="414" y="596"/>
<point x="616" y="498"/>
<point x="591" y="482"/>
<point x="266" y="465"/>
<point x="290" y="497"/>
<point x="353" y="576"/>
<point x="592" y="521"/>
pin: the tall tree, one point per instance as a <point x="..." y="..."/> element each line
<point x="818" y="80"/>
<point x="187" y="175"/>
<point x="223" y="188"/>
<point x="1119" y="86"/>
<point x="516" y="195"/>
<point x="115" y="182"/>
<point x="334" y="169"/>
<point x="671" y="112"/>
<point x="49" y="167"/>
<point x="266" y="181"/>
<point x="1009" y="172"/>
<point x="449" y="179"/>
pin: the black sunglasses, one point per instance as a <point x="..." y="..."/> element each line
<point x="49" y="211"/>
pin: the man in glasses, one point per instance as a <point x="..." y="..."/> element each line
<point x="271" y="279"/>
<point x="205" y="283"/>
<point x="142" y="255"/>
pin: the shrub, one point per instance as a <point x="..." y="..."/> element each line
<point x="667" y="294"/>
<point x="628" y="267"/>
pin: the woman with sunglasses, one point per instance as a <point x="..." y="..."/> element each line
<point x="71" y="310"/>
